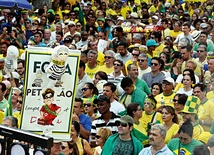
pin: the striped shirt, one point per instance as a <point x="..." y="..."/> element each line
<point x="116" y="80"/>
<point x="57" y="71"/>
<point x="100" y="123"/>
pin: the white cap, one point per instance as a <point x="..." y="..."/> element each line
<point x="71" y="23"/>
<point x="171" y="80"/>
<point x="120" y="18"/>
<point x="155" y="17"/>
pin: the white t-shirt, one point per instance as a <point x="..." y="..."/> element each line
<point x="181" y="91"/>
<point x="116" y="107"/>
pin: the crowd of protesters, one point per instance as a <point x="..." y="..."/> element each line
<point x="149" y="90"/>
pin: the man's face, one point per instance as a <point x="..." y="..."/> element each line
<point x="133" y="73"/>
<point x="47" y="34"/>
<point x="155" y="137"/>
<point x="135" y="54"/>
<point x="101" y="35"/>
<point x="19" y="103"/>
<point x="56" y="149"/>
<point x="142" y="62"/>
<point x="121" y="50"/>
<point x="129" y="90"/>
<point x="123" y="128"/>
<point x="211" y="65"/>
<point x="197" y="92"/>
<point x="20" y="69"/>
<point x="190" y="65"/>
<point x="166" y="85"/>
<point x="72" y="27"/>
<point x="77" y="108"/>
<point x="92" y="58"/>
<point x="184" y="54"/>
<point x="201" y="53"/>
<point x="203" y="38"/>
<point x="185" y="29"/>
<point x="185" y="139"/>
<point x="58" y="27"/>
<point x="107" y="91"/>
<point x="103" y="107"/>
<point x="3" y="48"/>
<point x="1" y="64"/>
<point x="187" y="116"/>
<point x="37" y="38"/>
<point x="155" y="66"/>
<point x="15" y="95"/>
<point x="57" y="19"/>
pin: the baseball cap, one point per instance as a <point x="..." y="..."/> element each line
<point x="102" y="98"/>
<point x="71" y="23"/>
<point x="120" y="18"/>
<point x="126" y="119"/>
<point x="154" y="17"/>
<point x="170" y="80"/>
<point x="67" y="39"/>
<point x="151" y="42"/>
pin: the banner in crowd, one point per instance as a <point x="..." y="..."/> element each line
<point x="49" y="90"/>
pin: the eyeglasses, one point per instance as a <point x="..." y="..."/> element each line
<point x="140" y="60"/>
<point x="154" y="64"/>
<point x="87" y="104"/>
<point x="200" y="51"/>
<point x="63" y="147"/>
<point x="116" y="64"/>
<point x="71" y="25"/>
<point x="107" y="57"/>
<point x="174" y="100"/>
<point x="97" y="136"/>
<point x="48" y="96"/>
<point x="19" y="101"/>
<point x="85" y="89"/>
<point x="121" y="123"/>
<point x="135" y="55"/>
<point x="184" y="139"/>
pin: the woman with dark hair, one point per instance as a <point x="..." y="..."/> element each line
<point x="100" y="79"/>
<point x="165" y="72"/>
<point x="69" y="148"/>
<point x="43" y="23"/>
<point x="184" y="144"/>
<point x="134" y="110"/>
<point x="156" y="89"/>
<point x="89" y="91"/>
<point x="82" y="145"/>
<point x="188" y="81"/>
<point x="170" y="119"/>
<point x="104" y="27"/>
<point x="179" y="101"/>
<point x="166" y="58"/>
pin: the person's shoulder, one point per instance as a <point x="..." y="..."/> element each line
<point x="173" y="141"/>
<point x="196" y="142"/>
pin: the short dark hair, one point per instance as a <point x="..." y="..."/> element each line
<point x="76" y="126"/>
<point x="121" y="44"/>
<point x="186" y="24"/>
<point x="22" y="62"/>
<point x="3" y="87"/>
<point x="182" y="98"/>
<point x="156" y="58"/>
<point x="188" y="47"/>
<point x="79" y="100"/>
<point x="111" y="85"/>
<point x="132" y="107"/>
<point x="187" y="128"/>
<point x="82" y="64"/>
<point x="201" y="150"/>
<point x="202" y="87"/>
<point x="47" y="91"/>
<point x="120" y="61"/>
<point x="126" y="82"/>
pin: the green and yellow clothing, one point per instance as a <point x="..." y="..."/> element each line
<point x="18" y="116"/>
<point x="158" y="50"/>
<point x="173" y="130"/>
<point x="143" y="86"/>
<point x="140" y="133"/>
<point x="197" y="70"/>
<point x="128" y="63"/>
<point x="166" y="98"/>
<point x="205" y="112"/>
<point x="1" y="75"/>
<point x="146" y="1"/>
<point x="124" y="10"/>
<point x="188" y="148"/>
<point x="106" y="69"/>
<point x="80" y="147"/>
<point x="147" y="118"/>
<point x="91" y="71"/>
<point x="153" y="9"/>
<point x="197" y="130"/>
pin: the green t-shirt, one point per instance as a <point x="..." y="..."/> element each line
<point x="123" y="147"/>
<point x="187" y="149"/>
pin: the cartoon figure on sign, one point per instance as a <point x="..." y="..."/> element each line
<point x="11" y="59"/>
<point x="57" y="67"/>
<point x="38" y="80"/>
<point x="49" y="113"/>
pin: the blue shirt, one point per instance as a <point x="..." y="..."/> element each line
<point x="85" y="121"/>
<point x="148" y="151"/>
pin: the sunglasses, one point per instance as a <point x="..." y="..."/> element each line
<point x="174" y="100"/>
<point x="97" y="136"/>
<point x="71" y="25"/>
<point x="85" y="89"/>
<point x="87" y="104"/>
<point x="166" y="83"/>
<point x="200" y="51"/>
<point x="63" y="147"/>
<point x="48" y="96"/>
<point x="117" y="65"/>
<point x="154" y="64"/>
<point x="107" y="57"/>
<point x="19" y="101"/>
<point x="135" y="55"/>
<point x="122" y="124"/>
<point x="140" y="60"/>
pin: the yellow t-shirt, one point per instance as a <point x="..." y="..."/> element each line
<point x="171" y="132"/>
<point x="128" y="63"/>
<point x="145" y="119"/>
<point x="100" y="59"/>
<point x="105" y="69"/>
<point x="91" y="71"/>
<point x="210" y="95"/>
<point x="197" y="130"/>
<point x="167" y="100"/>
<point x="158" y="50"/>
<point x="124" y="10"/>
<point x="197" y="70"/>
<point x="205" y="112"/>
<point x="174" y="34"/>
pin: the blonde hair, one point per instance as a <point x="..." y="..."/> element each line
<point x="104" y="133"/>
<point x="192" y="62"/>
